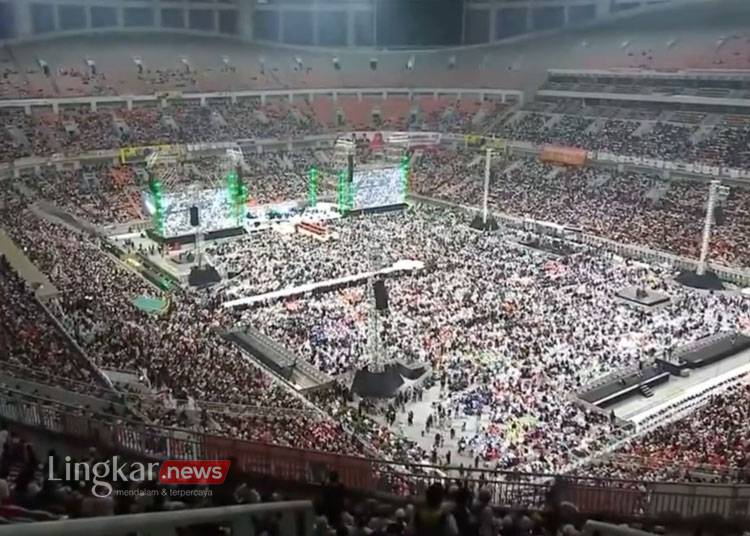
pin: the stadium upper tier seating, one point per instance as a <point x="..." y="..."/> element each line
<point x="697" y="36"/>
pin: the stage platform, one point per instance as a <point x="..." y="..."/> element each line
<point x="377" y="210"/>
<point x="299" y="372"/>
<point x="617" y="387"/>
<point x="554" y="246"/>
<point x="705" y="351"/>
<point x="632" y="409"/>
<point x="707" y="281"/>
<point x="21" y="264"/>
<point x="386" y="383"/>
<point x="190" y="238"/>
<point x="647" y="300"/>
<point x="397" y="267"/>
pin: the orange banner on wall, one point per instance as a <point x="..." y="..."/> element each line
<point x="563" y="155"/>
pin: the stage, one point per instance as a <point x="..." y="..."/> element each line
<point x="617" y="387"/>
<point x="550" y="246"/>
<point x="706" y="351"/>
<point x="643" y="298"/>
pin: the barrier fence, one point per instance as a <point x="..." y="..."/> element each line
<point x="521" y="490"/>
<point x="738" y="276"/>
<point x="292" y="518"/>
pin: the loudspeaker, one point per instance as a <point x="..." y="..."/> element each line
<point x="381" y="295"/>
<point x="194" y="219"/>
<point x="479" y="224"/>
<point x="719" y="216"/>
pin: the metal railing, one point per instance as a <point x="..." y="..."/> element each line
<point x="739" y="276"/>
<point x="294" y="518"/>
<point x="273" y="462"/>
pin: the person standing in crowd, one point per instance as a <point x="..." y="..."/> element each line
<point x="433" y="519"/>
<point x="333" y="499"/>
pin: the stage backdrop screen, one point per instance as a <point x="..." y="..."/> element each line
<point x="379" y="187"/>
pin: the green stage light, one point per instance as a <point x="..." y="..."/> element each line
<point x="312" y="187"/>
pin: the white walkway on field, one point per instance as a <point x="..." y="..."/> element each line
<point x="398" y="266"/>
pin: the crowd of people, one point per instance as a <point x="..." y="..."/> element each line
<point x="512" y="337"/>
<point x="724" y="146"/>
<point x="77" y="130"/>
<point x="508" y="333"/>
<point x="708" y="445"/>
<point x="181" y="352"/>
<point x="611" y="204"/>
<point x="426" y="323"/>
<point x="35" y="487"/>
<point x="29" y="338"/>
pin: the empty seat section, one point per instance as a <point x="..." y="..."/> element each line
<point x="396" y="110"/>
<point x="323" y="108"/>
<point x="358" y="114"/>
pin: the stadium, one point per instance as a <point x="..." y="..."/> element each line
<point x="414" y="267"/>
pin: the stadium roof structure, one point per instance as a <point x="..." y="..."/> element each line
<point x="687" y="33"/>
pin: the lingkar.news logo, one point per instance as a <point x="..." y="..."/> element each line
<point x="103" y="475"/>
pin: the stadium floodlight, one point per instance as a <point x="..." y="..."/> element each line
<point x="410" y="63"/>
<point x="336" y="63"/>
<point x="138" y="64"/>
<point x="298" y="62"/>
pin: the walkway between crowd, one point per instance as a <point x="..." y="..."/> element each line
<point x="25" y="268"/>
<point x="398" y="266"/>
